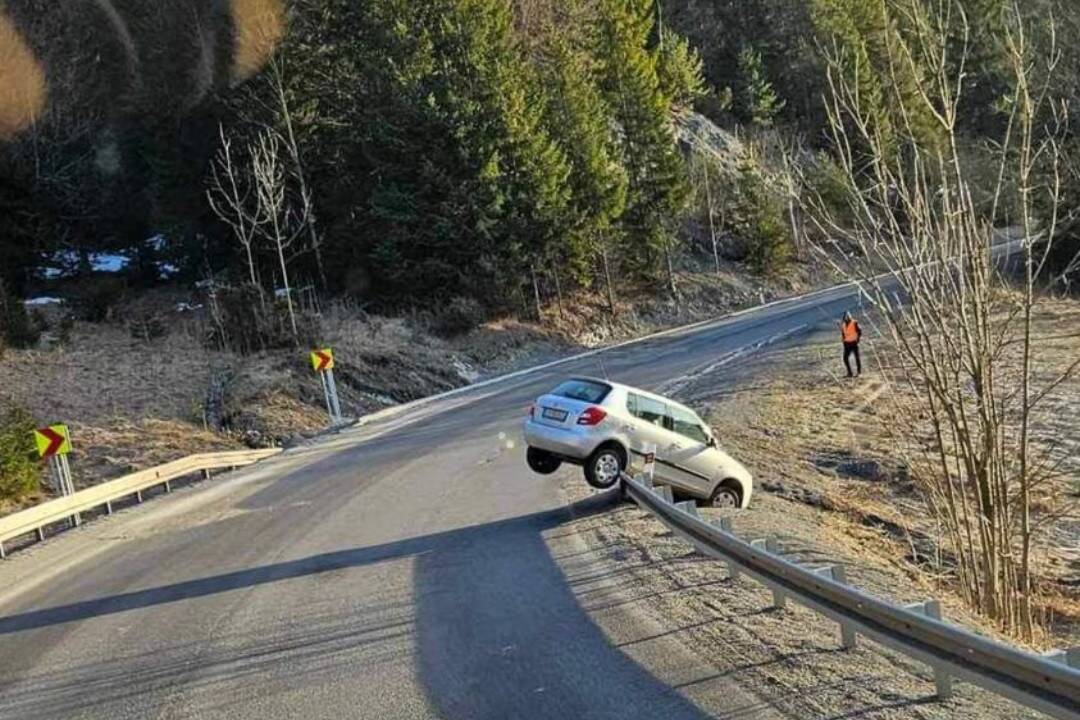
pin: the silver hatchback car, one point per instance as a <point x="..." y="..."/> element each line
<point x="602" y="425"/>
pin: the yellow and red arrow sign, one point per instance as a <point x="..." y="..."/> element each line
<point x="322" y="360"/>
<point x="52" y="440"/>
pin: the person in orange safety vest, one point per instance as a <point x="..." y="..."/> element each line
<point x="851" y="334"/>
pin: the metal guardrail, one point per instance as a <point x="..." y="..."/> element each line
<point x="35" y="519"/>
<point x="1049" y="684"/>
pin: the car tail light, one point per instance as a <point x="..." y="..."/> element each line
<point x="592" y="416"/>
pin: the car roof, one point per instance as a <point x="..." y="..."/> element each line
<point x="630" y="388"/>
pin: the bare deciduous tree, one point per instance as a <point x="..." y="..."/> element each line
<point x="276" y="77"/>
<point x="283" y="224"/>
<point x="230" y="198"/>
<point x="924" y="254"/>
<point x="256" y="202"/>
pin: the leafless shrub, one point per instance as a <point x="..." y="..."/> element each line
<point x="255" y="201"/>
<point x="230" y="197"/>
<point x="963" y="334"/>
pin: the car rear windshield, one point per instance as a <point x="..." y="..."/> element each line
<point x="584" y="390"/>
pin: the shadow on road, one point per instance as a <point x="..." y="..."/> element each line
<point x="498" y="632"/>
<point x="316" y="564"/>
<point x="502" y="635"/>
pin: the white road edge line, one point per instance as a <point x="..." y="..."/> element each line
<point x="680" y="382"/>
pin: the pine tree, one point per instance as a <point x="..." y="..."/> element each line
<point x="578" y="119"/>
<point x="880" y="62"/>
<point x="658" y="185"/>
<point x="470" y="186"/>
<point x="759" y="102"/>
<point x="681" y="71"/>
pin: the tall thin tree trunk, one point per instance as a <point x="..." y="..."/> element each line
<point x="607" y="279"/>
<point x="536" y="293"/>
<point x="294" y="153"/>
<point x="285" y="283"/>
<point x="796" y="236"/>
<point x="251" y="263"/>
<point x="712" y="224"/>
<point x="670" y="271"/>
<point x="558" y="289"/>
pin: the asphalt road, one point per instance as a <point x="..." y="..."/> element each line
<point x="406" y="568"/>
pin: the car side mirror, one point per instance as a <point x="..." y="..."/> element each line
<point x="712" y="442"/>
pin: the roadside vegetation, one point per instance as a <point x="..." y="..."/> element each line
<point x="19" y="470"/>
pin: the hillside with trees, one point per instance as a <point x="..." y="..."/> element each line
<point x="460" y="151"/>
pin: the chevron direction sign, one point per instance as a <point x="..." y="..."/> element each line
<point x="322" y="360"/>
<point x="53" y="440"/>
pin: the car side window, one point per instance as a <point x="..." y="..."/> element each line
<point x="688" y="425"/>
<point x="646" y="409"/>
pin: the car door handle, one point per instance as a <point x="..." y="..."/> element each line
<point x="674" y="446"/>
<point x="629" y="429"/>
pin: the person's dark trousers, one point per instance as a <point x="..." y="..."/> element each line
<point x="849" y="350"/>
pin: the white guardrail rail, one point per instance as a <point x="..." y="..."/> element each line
<point x="1047" y="683"/>
<point x="36" y="519"/>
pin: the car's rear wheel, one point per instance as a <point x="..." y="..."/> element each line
<point x="541" y="461"/>
<point x="726" y="495"/>
<point x="605" y="466"/>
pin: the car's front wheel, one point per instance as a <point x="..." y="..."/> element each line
<point x="605" y="466"/>
<point x="726" y="495"/>
<point x="541" y="461"/>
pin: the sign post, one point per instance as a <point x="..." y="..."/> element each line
<point x="54" y="443"/>
<point x="323" y="363"/>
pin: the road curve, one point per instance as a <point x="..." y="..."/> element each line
<point x="406" y="568"/>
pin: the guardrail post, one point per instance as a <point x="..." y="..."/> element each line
<point x="2" y="553"/>
<point x="725" y="525"/>
<point x="771" y="546"/>
<point x="779" y="598"/>
<point x="688" y="506"/>
<point x="108" y="507"/>
<point x="942" y="679"/>
<point x="39" y="533"/>
<point x="847" y="631"/>
<point x="138" y="495"/>
<point x="168" y="487"/>
<point x="206" y="474"/>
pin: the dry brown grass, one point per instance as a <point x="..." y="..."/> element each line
<point x="260" y="26"/>
<point x="795" y="426"/>
<point x="23" y="87"/>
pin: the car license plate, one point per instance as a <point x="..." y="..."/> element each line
<point x="553" y="414"/>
